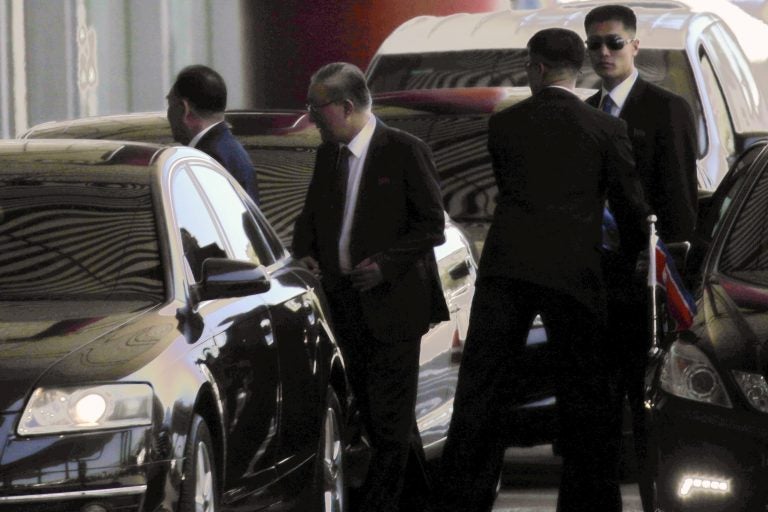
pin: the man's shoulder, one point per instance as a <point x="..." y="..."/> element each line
<point x="652" y="94"/>
<point x="394" y="137"/>
<point x="508" y="116"/>
<point x="224" y="146"/>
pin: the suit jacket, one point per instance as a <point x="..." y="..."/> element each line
<point x="556" y="160"/>
<point x="398" y="220"/>
<point x="663" y="135"/>
<point x="220" y="144"/>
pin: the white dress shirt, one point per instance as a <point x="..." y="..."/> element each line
<point x="619" y="93"/>
<point x="358" y="148"/>
<point x="201" y="133"/>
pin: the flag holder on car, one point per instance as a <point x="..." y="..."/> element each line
<point x="663" y="274"/>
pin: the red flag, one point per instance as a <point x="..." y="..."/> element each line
<point x="680" y="304"/>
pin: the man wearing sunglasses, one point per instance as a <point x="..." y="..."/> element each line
<point x="555" y="160"/>
<point x="661" y="127"/>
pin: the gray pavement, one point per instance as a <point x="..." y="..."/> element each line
<point x="530" y="478"/>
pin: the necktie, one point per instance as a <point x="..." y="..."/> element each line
<point x="608" y="104"/>
<point x="339" y="191"/>
<point x="342" y="175"/>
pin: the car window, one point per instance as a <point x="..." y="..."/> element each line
<point x="670" y="69"/>
<point x="242" y="232"/>
<point x="734" y="74"/>
<point x="284" y="172"/>
<point x="745" y="253"/>
<point x="719" y="105"/>
<point x="200" y="238"/>
<point x="727" y="190"/>
<point x="77" y="237"/>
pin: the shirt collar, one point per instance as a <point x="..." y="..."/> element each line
<point x="359" y="144"/>
<point x="620" y="93"/>
<point x="201" y="133"/>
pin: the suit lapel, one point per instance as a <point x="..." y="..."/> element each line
<point x="368" y="181"/>
<point x="633" y="106"/>
<point x="594" y="100"/>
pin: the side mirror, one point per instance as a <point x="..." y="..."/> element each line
<point x="223" y="278"/>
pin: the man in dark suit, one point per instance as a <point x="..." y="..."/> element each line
<point x="556" y="160"/>
<point x="663" y="135"/>
<point x="196" y="104"/>
<point x="373" y="214"/>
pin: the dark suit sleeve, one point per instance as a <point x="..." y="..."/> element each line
<point x="625" y="193"/>
<point x="425" y="215"/>
<point x="675" y="165"/>
<point x="304" y="241"/>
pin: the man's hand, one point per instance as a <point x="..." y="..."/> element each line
<point x="312" y="264"/>
<point x="366" y="275"/>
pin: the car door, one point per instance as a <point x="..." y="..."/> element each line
<point x="712" y="209"/>
<point x="244" y="365"/>
<point x="293" y="327"/>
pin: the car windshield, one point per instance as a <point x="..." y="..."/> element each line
<point x="506" y="68"/>
<point x="70" y="237"/>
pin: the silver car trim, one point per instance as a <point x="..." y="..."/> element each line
<point x="97" y="493"/>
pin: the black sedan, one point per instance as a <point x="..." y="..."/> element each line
<point x="159" y="348"/>
<point x="282" y="145"/>
<point x="708" y="394"/>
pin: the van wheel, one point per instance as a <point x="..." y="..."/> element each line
<point x="330" y="488"/>
<point x="198" y="487"/>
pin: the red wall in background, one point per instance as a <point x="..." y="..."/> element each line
<point x="290" y="39"/>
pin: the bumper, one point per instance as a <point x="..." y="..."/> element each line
<point x="121" y="499"/>
<point x="112" y="471"/>
<point x="709" y="459"/>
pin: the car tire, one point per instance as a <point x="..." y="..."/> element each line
<point x="330" y="487"/>
<point x="199" y="484"/>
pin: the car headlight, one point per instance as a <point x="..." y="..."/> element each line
<point x="58" y="410"/>
<point x="687" y="372"/>
<point x="755" y="388"/>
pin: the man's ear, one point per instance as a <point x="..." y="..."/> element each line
<point x="349" y="107"/>
<point x="187" y="108"/>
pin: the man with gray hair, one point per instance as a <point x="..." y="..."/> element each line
<point x="556" y="161"/>
<point x="372" y="216"/>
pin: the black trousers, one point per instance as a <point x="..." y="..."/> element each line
<point x="502" y="312"/>
<point x="629" y="327"/>
<point x="384" y="377"/>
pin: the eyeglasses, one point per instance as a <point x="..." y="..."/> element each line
<point x="613" y="42"/>
<point x="315" y="108"/>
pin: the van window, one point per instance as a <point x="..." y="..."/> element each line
<point x="670" y="69"/>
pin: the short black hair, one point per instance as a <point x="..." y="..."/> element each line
<point x="614" y="12"/>
<point x="558" y="48"/>
<point x="344" y="81"/>
<point x="203" y="87"/>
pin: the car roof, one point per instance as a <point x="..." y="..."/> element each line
<point x="284" y="125"/>
<point x="17" y="155"/>
<point x="661" y="24"/>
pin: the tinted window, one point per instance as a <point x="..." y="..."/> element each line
<point x="239" y="227"/>
<point x="199" y="237"/>
<point x="68" y="240"/>
<point x="284" y="173"/>
<point x="745" y="254"/>
<point x="501" y="68"/>
<point x="727" y="190"/>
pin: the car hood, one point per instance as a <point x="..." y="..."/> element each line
<point x="65" y="345"/>
<point x="732" y="324"/>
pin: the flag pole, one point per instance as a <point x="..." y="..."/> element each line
<point x="652" y="284"/>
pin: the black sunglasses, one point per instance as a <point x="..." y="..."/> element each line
<point x="613" y="42"/>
